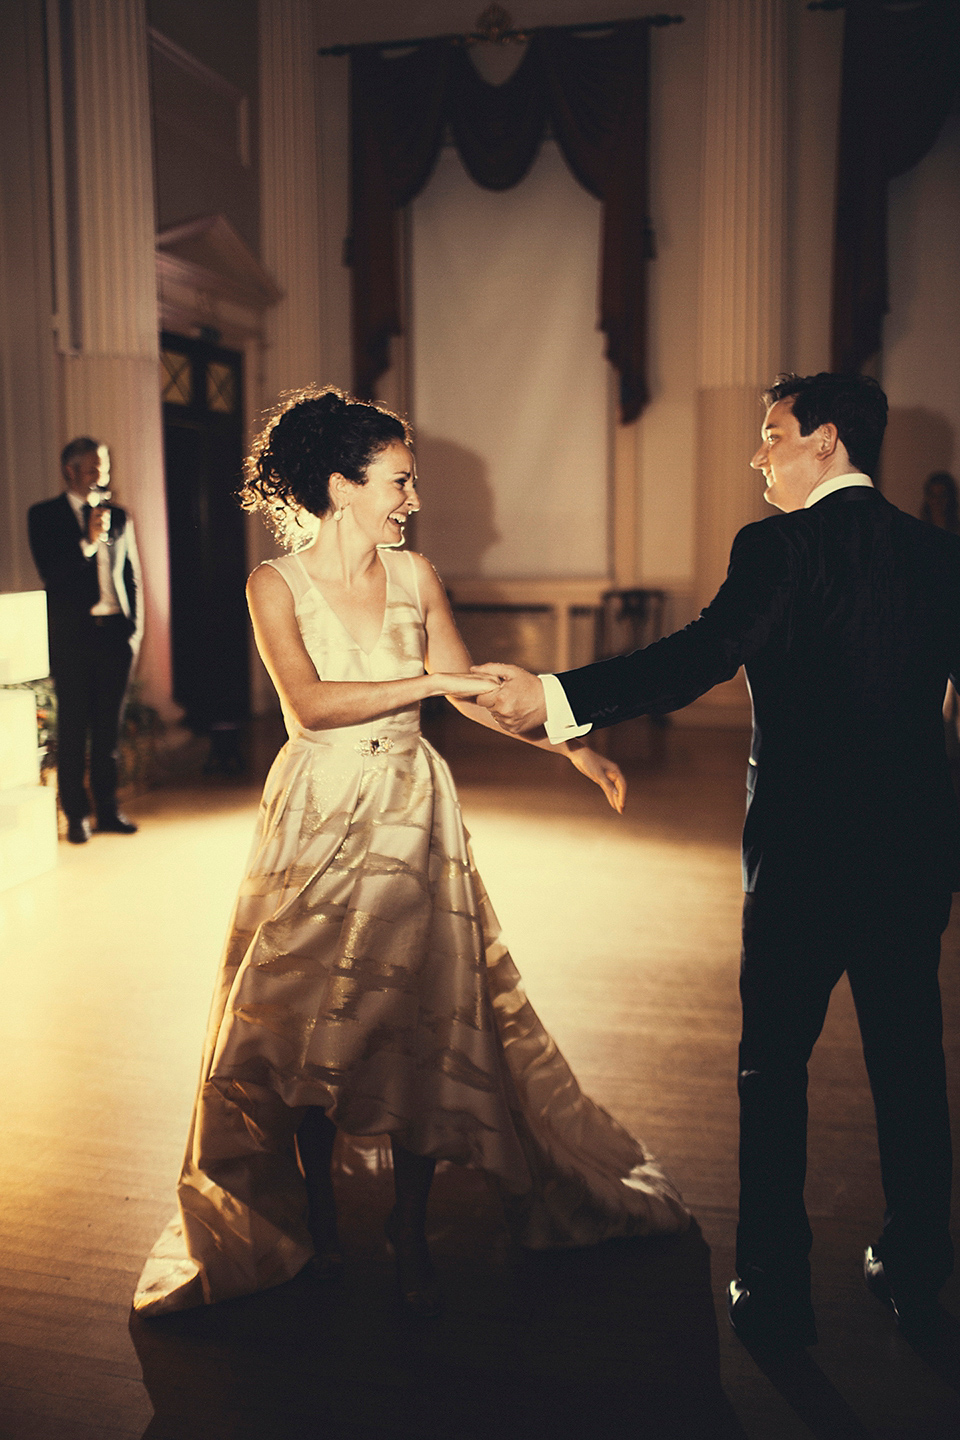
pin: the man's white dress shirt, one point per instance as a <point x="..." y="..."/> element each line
<point x="108" y="604"/>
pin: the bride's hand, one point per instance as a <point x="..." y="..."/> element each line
<point x="463" y="687"/>
<point x="603" y="772"/>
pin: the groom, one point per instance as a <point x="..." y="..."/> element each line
<point x="846" y="614"/>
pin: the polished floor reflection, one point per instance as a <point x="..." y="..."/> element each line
<point x="626" y="933"/>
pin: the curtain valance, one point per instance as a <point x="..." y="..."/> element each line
<point x="591" y="92"/>
<point x="901" y="68"/>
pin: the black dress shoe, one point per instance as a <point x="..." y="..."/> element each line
<point x="78" y="831"/>
<point x="769" y="1323"/>
<point x="918" y="1311"/>
<point x="116" y="825"/>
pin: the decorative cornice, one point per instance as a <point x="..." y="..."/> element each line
<point x="208" y="253"/>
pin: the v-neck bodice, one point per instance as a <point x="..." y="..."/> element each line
<point x="398" y="653"/>
<point x="348" y="634"/>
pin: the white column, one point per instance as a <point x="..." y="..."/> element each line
<point x="29" y="400"/>
<point x="741" y="256"/>
<point x="291" y="238"/>
<point x="117" y="273"/>
<point x="741" y="272"/>
<point x="108" y="321"/>
<point x="290" y="231"/>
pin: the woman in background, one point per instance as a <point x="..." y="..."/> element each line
<point x="364" y="987"/>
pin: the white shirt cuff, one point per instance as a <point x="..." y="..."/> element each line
<point x="560" y="724"/>
<point x="89" y="548"/>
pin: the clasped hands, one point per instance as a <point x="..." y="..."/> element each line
<point x="513" y="696"/>
<point x="516" y="700"/>
<point x="518" y="703"/>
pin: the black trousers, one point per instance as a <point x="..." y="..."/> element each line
<point x="796" y="946"/>
<point x="91" y="678"/>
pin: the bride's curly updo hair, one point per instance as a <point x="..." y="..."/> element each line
<point x="311" y="435"/>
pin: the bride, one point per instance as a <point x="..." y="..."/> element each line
<point x="364" y="986"/>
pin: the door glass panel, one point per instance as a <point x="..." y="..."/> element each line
<point x="176" y="378"/>
<point x="221" y="388"/>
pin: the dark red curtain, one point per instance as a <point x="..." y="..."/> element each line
<point x="592" y="92"/>
<point x="901" y="68"/>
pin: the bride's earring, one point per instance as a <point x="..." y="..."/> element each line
<point x="338" y="515"/>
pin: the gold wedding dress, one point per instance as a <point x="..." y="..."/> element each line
<point x="364" y="973"/>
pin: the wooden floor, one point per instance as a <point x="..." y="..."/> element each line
<point x="626" y="932"/>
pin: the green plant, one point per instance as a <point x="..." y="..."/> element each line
<point x="46" y="698"/>
<point x="141" y="729"/>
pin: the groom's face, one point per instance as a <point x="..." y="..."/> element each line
<point x="787" y="458"/>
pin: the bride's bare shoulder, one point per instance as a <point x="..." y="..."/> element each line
<point x="266" y="573"/>
<point x="426" y="573"/>
<point x="268" y="581"/>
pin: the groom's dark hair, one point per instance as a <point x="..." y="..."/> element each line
<point x="854" y="403"/>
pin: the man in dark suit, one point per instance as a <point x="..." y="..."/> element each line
<point x="86" y="553"/>
<point x="846" y="614"/>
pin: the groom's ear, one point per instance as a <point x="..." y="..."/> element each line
<point x="827" y="439"/>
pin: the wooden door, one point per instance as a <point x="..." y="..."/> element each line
<point x="203" y="449"/>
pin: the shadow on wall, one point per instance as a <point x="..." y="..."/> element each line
<point x="917" y="442"/>
<point x="455" y="530"/>
<point x="457" y="526"/>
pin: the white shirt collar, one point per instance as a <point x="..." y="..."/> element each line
<point x="840" y="482"/>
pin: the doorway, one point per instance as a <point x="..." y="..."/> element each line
<point x="203" y="455"/>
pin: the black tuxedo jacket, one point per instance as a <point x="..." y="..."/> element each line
<point x="847" y="619"/>
<point x="71" y="578"/>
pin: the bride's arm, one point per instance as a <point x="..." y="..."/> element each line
<point x="447" y="652"/>
<point x="326" y="704"/>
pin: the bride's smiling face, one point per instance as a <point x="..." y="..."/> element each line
<point x="381" y="505"/>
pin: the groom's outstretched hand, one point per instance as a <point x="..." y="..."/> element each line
<point x="518" y="705"/>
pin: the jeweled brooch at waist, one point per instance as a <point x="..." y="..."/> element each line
<point x="375" y="746"/>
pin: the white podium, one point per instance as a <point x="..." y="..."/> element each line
<point x="28" y="810"/>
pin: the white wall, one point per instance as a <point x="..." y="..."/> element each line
<point x="509" y="387"/>
<point x="666" y="461"/>
<point x="921" y="359"/>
